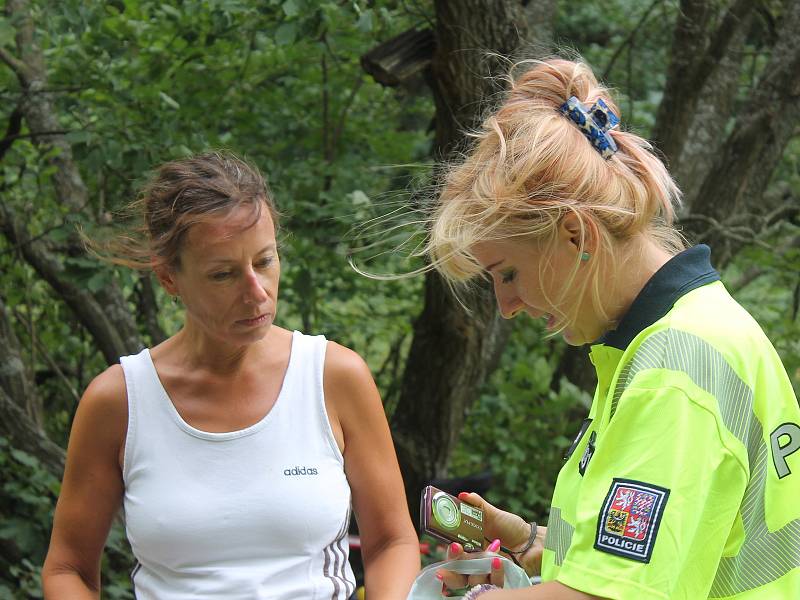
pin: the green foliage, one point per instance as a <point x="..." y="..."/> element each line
<point x="627" y="44"/>
<point x="523" y="424"/>
<point x="29" y="493"/>
<point x="765" y="276"/>
<point x="26" y="510"/>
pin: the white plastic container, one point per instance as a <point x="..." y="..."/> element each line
<point x="427" y="587"/>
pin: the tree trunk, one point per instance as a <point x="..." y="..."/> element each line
<point x="706" y="132"/>
<point x="695" y="56"/>
<point x="451" y="355"/>
<point x="744" y="166"/>
<point x="453" y="351"/>
<point x="540" y="16"/>
<point x="105" y="314"/>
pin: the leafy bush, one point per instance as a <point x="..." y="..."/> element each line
<point x="522" y="424"/>
<point x="26" y="511"/>
<point x="28" y="498"/>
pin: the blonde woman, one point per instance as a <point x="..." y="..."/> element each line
<point x="684" y="480"/>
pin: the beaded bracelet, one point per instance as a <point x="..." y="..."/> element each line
<point x="479" y="589"/>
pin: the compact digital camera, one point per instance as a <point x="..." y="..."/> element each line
<point x="449" y="519"/>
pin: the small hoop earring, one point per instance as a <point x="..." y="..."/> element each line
<point x="585" y="256"/>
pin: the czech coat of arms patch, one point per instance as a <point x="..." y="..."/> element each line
<point x="629" y="520"/>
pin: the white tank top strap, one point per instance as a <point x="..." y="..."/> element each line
<point x="309" y="376"/>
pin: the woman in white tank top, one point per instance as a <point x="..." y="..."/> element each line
<point x="236" y="448"/>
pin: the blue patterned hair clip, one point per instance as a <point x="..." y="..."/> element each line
<point x="594" y="123"/>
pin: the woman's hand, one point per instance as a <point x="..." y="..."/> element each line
<point x="512" y="531"/>
<point x="456" y="583"/>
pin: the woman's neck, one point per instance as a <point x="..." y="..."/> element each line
<point x="199" y="351"/>
<point x="637" y="263"/>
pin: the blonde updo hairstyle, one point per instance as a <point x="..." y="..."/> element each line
<point x="531" y="166"/>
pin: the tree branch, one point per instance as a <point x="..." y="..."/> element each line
<point x="326" y="133"/>
<point x="757" y="271"/>
<point x="23" y="433"/>
<point x="629" y="40"/>
<point x="687" y="75"/>
<point x="107" y="333"/>
<point x="15" y="377"/>
<point x="36" y="135"/>
<point x="20" y="68"/>
<point x="752" y="151"/>
<point x="734" y="18"/>
<point x="337" y="134"/>
<point x="148" y="309"/>
<point x="391" y="364"/>
<point x="48" y="358"/>
<point x="12" y="131"/>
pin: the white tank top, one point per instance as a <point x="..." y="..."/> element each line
<point x="256" y="513"/>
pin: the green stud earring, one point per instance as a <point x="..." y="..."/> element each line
<point x="585" y="256"/>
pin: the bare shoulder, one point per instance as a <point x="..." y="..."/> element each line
<point x="348" y="383"/>
<point x="345" y="366"/>
<point x="350" y="391"/>
<point x="348" y="380"/>
<point x="107" y="391"/>
<point x="103" y="408"/>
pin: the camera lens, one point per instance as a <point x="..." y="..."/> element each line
<point x="445" y="511"/>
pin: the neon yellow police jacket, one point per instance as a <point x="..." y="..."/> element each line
<point x="684" y="482"/>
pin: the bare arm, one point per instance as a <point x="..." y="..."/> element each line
<point x="91" y="491"/>
<point x="389" y="544"/>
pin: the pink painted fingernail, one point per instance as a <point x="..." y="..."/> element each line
<point x="494" y="546"/>
<point x="454" y="548"/>
<point x="439" y="576"/>
<point x="496" y="563"/>
<point x="463" y="496"/>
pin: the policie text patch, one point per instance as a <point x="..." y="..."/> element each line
<point x="629" y="521"/>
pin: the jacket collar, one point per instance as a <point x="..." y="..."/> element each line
<point x="680" y="275"/>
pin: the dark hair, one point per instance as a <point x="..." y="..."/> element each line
<point x="180" y="194"/>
